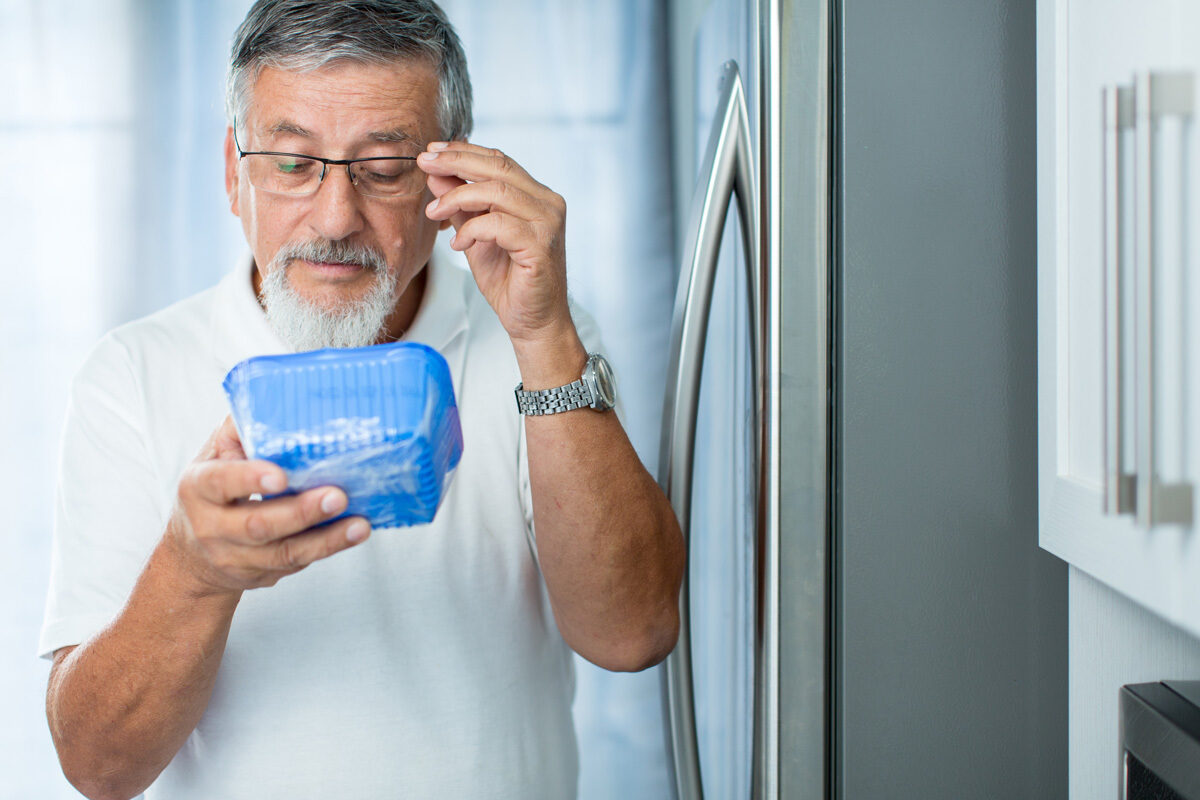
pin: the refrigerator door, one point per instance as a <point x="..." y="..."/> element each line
<point x="756" y="515"/>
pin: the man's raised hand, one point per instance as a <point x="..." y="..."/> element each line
<point x="512" y="229"/>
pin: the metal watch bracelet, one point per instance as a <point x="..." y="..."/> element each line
<point x="552" y="401"/>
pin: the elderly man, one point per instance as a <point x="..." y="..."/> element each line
<point x="199" y="649"/>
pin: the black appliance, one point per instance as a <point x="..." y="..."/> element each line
<point x="1160" y="741"/>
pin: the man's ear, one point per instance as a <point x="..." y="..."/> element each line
<point x="231" y="176"/>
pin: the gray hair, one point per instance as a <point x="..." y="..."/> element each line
<point x="301" y="35"/>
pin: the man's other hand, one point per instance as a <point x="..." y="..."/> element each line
<point x="230" y="542"/>
<point x="513" y="232"/>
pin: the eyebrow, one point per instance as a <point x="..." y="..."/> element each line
<point x="390" y="136"/>
<point x="284" y="126"/>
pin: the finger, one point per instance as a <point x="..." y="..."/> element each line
<point x="508" y="232"/>
<point x="227" y="442"/>
<point x="488" y="196"/>
<point x="476" y="164"/>
<point x="439" y="185"/>
<point x="266" y="521"/>
<point x="462" y="146"/>
<point x="219" y="439"/>
<point x="224" y="481"/>
<point x="296" y="552"/>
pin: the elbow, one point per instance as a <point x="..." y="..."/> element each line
<point x="648" y="645"/>
<point x="650" y="627"/>
<point x="94" y="776"/>
<point x="91" y="777"/>
<point x="654" y="648"/>
<point x="98" y="789"/>
<point x="92" y="781"/>
<point x="642" y="649"/>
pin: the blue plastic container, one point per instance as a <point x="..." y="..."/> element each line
<point x="380" y="422"/>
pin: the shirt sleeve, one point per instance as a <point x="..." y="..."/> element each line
<point x="107" y="517"/>
<point x="589" y="334"/>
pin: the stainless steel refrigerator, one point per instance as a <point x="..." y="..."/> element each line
<point x="850" y="425"/>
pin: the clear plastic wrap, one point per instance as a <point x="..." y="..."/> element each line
<point x="380" y="422"/>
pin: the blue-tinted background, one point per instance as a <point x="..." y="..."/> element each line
<point x="113" y="205"/>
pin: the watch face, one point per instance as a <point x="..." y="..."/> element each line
<point x="604" y="382"/>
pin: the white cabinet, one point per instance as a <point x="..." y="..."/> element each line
<point x="1118" y="285"/>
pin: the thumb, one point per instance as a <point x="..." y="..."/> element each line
<point x="225" y="444"/>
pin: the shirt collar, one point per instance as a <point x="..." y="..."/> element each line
<point x="443" y="312"/>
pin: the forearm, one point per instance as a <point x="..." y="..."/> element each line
<point x="122" y="704"/>
<point x="608" y="543"/>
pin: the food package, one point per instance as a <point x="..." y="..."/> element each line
<point x="380" y="422"/>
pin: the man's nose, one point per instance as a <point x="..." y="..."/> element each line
<point x="336" y="212"/>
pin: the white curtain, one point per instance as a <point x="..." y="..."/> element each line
<point x="113" y="206"/>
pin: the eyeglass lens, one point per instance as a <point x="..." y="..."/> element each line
<point x="296" y="175"/>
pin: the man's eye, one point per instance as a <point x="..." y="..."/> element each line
<point x="293" y="166"/>
<point x="386" y="170"/>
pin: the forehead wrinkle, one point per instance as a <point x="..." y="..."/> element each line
<point x="346" y="91"/>
<point x="386" y="136"/>
<point x="397" y="135"/>
<point x="327" y="88"/>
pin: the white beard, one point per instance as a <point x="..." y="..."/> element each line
<point x="305" y="325"/>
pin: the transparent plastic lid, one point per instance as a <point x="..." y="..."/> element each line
<point x="380" y="422"/>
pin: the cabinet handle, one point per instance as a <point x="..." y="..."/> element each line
<point x="1155" y="95"/>
<point x="1117" y="114"/>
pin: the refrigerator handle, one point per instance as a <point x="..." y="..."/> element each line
<point x="728" y="170"/>
<point x="1155" y="95"/>
<point x="1117" y="112"/>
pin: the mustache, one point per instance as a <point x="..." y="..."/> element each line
<point x="331" y="252"/>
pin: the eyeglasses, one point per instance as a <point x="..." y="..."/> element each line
<point x="299" y="175"/>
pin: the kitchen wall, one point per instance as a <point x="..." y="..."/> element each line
<point x="1113" y="641"/>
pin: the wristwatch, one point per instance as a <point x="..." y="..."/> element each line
<point x="595" y="389"/>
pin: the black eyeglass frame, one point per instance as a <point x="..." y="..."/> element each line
<point x="325" y="164"/>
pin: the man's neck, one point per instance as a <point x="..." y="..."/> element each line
<point x="401" y="318"/>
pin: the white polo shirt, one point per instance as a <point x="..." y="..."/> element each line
<point x="424" y="663"/>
